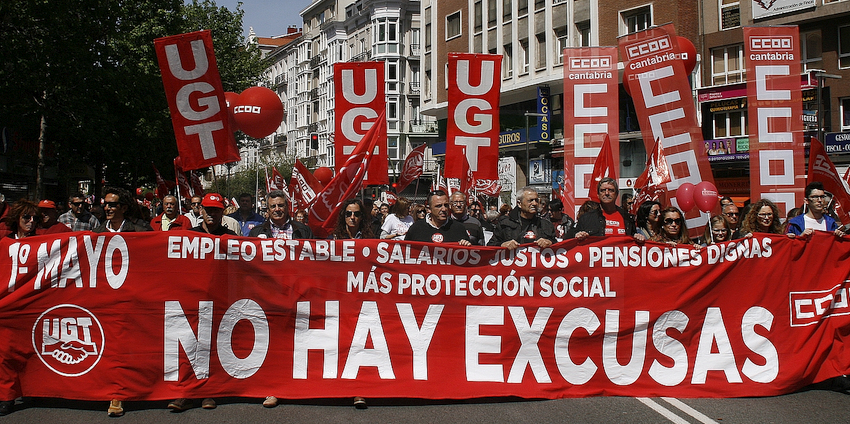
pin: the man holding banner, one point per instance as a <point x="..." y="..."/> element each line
<point x="609" y="219"/>
<point x="523" y="224"/>
<point x="814" y="218"/>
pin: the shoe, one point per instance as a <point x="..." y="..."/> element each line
<point x="116" y="408"/>
<point x="180" y="405"/>
<point x="6" y="407"/>
<point x="208" y="403"/>
<point x="270" y="402"/>
<point x="360" y="403"/>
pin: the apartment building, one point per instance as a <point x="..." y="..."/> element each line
<point x="825" y="57"/>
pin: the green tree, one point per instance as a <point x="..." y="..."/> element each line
<point x="82" y="78"/>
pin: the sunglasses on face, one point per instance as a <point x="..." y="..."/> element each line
<point x="357" y="214"/>
<point x="671" y="221"/>
<point x="112" y="204"/>
<point x="27" y="218"/>
<point x="77" y="203"/>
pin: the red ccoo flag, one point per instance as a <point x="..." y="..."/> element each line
<point x="413" y="167"/>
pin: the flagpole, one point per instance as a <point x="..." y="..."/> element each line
<point x="256" y="188"/>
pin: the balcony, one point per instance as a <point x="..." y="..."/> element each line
<point x="414" y="87"/>
<point x="316" y="61"/>
<point x="415" y="50"/>
<point x="314" y="94"/>
<point x="422" y="127"/>
<point x="362" y="57"/>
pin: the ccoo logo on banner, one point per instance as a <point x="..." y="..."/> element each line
<point x="68" y="340"/>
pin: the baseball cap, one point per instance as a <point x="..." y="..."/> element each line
<point x="213" y="200"/>
<point x="48" y="204"/>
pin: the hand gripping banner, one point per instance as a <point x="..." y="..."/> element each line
<point x="473" y="125"/>
<point x="196" y="100"/>
<point x="591" y="110"/>
<point x="183" y="314"/>
<point x="774" y="98"/>
<point x="656" y="78"/>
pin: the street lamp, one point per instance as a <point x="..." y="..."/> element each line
<point x="527" y="141"/>
<point x="820" y="74"/>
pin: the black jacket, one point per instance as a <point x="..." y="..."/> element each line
<point x="593" y="223"/>
<point x="510" y="227"/>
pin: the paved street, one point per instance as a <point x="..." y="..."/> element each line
<point x="810" y="406"/>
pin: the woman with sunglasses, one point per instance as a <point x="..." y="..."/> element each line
<point x="23" y="219"/>
<point x="419" y="212"/>
<point x="649" y="219"/>
<point x="674" y="231"/>
<point x="717" y="230"/>
<point x="352" y="222"/>
<point x="763" y="217"/>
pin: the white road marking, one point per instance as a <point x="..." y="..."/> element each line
<point x="688" y="410"/>
<point x="662" y="410"/>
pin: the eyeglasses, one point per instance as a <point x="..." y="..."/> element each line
<point x="357" y="214"/>
<point x="765" y="215"/>
<point x="112" y="204"/>
<point x="822" y="197"/>
<point x="420" y="213"/>
<point x="655" y="212"/>
<point x="28" y="218"/>
<point x="77" y="203"/>
<point x="719" y="230"/>
<point x="671" y="221"/>
<point x="731" y="214"/>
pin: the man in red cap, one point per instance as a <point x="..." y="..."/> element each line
<point x="170" y="218"/>
<point x="212" y="211"/>
<point x="50" y="224"/>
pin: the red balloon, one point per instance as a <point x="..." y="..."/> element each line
<point x="705" y="196"/>
<point x="324" y="175"/>
<point x="258" y="111"/>
<point x="230" y="101"/>
<point x="689" y="53"/>
<point x="685" y="197"/>
<point x="140" y="191"/>
<point x="149" y="195"/>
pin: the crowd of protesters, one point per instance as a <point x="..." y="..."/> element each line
<point x="443" y="218"/>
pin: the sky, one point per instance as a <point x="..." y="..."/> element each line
<point x="268" y="17"/>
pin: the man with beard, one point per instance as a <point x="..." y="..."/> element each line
<point x="609" y="219"/>
<point x="523" y="224"/>
<point x="78" y="217"/>
<point x="733" y="217"/>
<point x="437" y="227"/>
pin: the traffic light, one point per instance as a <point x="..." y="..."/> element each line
<point x="314" y="141"/>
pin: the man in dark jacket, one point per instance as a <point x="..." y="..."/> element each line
<point x="278" y="225"/>
<point x="211" y="213"/>
<point x="523" y="225"/>
<point x="609" y="219"/>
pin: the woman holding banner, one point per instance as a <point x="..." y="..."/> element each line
<point x="23" y="219"/>
<point x="649" y="219"/>
<point x="717" y="230"/>
<point x="763" y="217"/>
<point x="351" y="222"/>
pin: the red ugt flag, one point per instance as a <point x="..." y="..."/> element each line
<point x="413" y="167"/>
<point x="603" y="167"/>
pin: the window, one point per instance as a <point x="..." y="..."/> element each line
<point x="811" y="50"/>
<point x="479" y="19"/>
<point x="583" y="30"/>
<point x="453" y="25"/>
<point x="730" y="124"/>
<point x="561" y="36"/>
<point x="540" y="63"/>
<point x="385" y="36"/>
<point x="392" y="148"/>
<point x="845" y="113"/>
<point x="491" y="13"/>
<point x="392" y="113"/>
<point x="523" y="45"/>
<point x="844" y="47"/>
<point x="415" y="42"/>
<point x="539" y="4"/>
<point x="730" y="14"/>
<point x="506" y="10"/>
<point x="427" y="37"/>
<point x="507" y="61"/>
<point x="522" y="7"/>
<point x="636" y="19"/>
<point x="727" y="65"/>
<point x="392" y="76"/>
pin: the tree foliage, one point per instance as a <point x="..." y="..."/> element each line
<point x="90" y="70"/>
<point x="248" y="180"/>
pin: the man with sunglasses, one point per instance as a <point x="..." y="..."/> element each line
<point x="78" y="217"/>
<point x="438" y="227"/>
<point x="523" y="224"/>
<point x="122" y="214"/>
<point x="732" y="215"/>
<point x="194" y="214"/>
<point x="815" y="217"/>
<point x="279" y="225"/>
<point x="609" y="219"/>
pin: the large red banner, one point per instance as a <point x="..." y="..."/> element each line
<point x="591" y="110"/>
<point x="656" y="78"/>
<point x="473" y="125"/>
<point x="86" y="316"/>
<point x="359" y="100"/>
<point x="196" y="100"/>
<point x="774" y="99"/>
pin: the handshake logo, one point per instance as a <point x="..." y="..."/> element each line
<point x="68" y="339"/>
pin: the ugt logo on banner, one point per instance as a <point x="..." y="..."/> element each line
<point x="473" y="127"/>
<point x="68" y="340"/>
<point x="359" y="100"/>
<point x="196" y="99"/>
